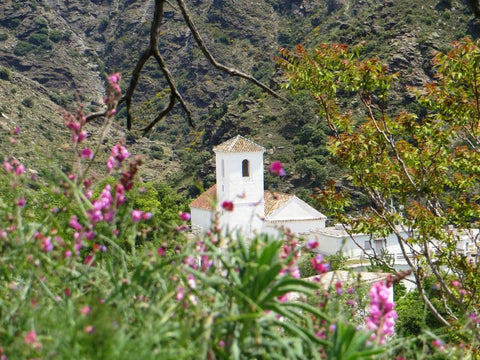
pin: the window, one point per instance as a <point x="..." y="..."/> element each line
<point x="245" y="168"/>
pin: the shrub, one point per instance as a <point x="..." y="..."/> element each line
<point x="22" y="48"/>
<point x="3" y="36"/>
<point x="28" y="102"/>
<point x="13" y="23"/>
<point x="56" y="35"/>
<point x="4" y="74"/>
<point x="42" y="40"/>
<point x="40" y="21"/>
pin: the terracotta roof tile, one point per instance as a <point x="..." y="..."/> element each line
<point x="274" y="201"/>
<point x="207" y="200"/>
<point x="239" y="144"/>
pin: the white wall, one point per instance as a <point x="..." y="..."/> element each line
<point x="297" y="227"/>
<point x="245" y="192"/>
<point x="201" y="219"/>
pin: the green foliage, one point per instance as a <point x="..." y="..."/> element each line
<point x="411" y="315"/>
<point x="55" y="35"/>
<point x="41" y="40"/>
<point x="426" y="166"/>
<point x="3" y="36"/>
<point x="305" y="265"/>
<point x="28" y="102"/>
<point x="40" y="21"/>
<point x="22" y="48"/>
<point x="5" y="73"/>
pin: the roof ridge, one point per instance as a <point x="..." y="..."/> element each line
<point x="239" y="144"/>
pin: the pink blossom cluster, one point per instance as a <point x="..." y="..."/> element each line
<point x="277" y="168"/>
<point x="31" y="339"/>
<point x="119" y="154"/>
<point x="319" y="265"/>
<point x="138" y="215"/>
<point x="14" y="167"/>
<point x="47" y="243"/>
<point x="382" y="314"/>
<point x="75" y="123"/>
<point x="227" y="205"/>
<point x="103" y="208"/>
<point x="205" y="261"/>
<point x="289" y="248"/>
<point x="113" y="94"/>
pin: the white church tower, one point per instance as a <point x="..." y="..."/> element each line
<point x="240" y="179"/>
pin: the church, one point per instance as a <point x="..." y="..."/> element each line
<point x="240" y="181"/>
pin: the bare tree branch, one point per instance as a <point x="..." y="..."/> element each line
<point x="214" y="62"/>
<point x="153" y="51"/>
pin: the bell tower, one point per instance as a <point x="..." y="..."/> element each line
<point x="240" y="179"/>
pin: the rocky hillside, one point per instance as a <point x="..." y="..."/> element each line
<point x="56" y="53"/>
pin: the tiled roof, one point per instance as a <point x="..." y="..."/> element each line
<point x="207" y="200"/>
<point x="239" y="144"/>
<point x="274" y="201"/>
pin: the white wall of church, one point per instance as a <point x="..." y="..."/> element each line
<point x="201" y="219"/>
<point x="246" y="192"/>
<point x="232" y="185"/>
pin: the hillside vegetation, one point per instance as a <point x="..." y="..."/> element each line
<point x="56" y="54"/>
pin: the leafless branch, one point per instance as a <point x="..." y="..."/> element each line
<point x="214" y="62"/>
<point x="153" y="51"/>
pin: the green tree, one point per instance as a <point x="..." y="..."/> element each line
<point x="420" y="173"/>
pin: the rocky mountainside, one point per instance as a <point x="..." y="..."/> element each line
<point x="56" y="53"/>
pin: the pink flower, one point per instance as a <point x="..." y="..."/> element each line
<point x="191" y="281"/>
<point x="227" y="205"/>
<point x="30" y="338"/>
<point x="351" y="302"/>
<point x="146" y="216"/>
<point x="113" y="80"/>
<point x="277" y="168"/>
<point x="339" y="287"/>
<point x="455" y="283"/>
<point x="74" y="223"/>
<point x="89" y="260"/>
<point x="180" y="293"/>
<point x="85" y="310"/>
<point x="7" y="166"/>
<point x="205" y="262"/>
<point x="110" y="163"/>
<point x="184" y="216"/>
<point x="319" y="265"/>
<point x="120" y="153"/>
<point x="136" y="215"/>
<point x="312" y="244"/>
<point x="382" y="315"/>
<point x="47" y="245"/>
<point x="438" y="344"/>
<point x="21" y="202"/>
<point x="16" y="130"/>
<point x="87" y="154"/>
<point x="161" y="251"/>
<point x="20" y="169"/>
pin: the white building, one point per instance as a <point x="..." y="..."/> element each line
<point x="240" y="179"/>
